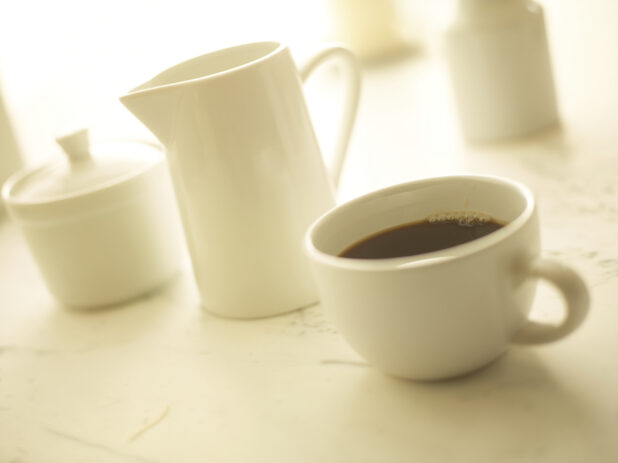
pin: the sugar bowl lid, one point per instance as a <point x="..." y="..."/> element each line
<point x="89" y="177"/>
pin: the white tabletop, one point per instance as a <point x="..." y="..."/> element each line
<point x="162" y="380"/>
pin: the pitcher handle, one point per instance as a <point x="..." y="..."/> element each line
<point x="352" y="83"/>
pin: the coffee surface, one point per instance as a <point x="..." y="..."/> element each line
<point x="421" y="237"/>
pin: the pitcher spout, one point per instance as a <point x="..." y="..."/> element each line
<point x="153" y="106"/>
<point x="154" y="102"/>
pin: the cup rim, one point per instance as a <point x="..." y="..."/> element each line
<point x="429" y="259"/>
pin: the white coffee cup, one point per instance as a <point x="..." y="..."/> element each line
<point x="448" y="312"/>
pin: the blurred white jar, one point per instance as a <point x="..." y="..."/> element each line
<point x="499" y="62"/>
<point x="370" y="28"/>
<point x="103" y="226"/>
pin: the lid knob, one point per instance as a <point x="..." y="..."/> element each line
<point x="76" y="146"/>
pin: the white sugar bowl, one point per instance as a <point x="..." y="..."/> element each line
<point x="102" y="225"/>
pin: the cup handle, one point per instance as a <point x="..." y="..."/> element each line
<point x="352" y="83"/>
<point x="576" y="297"/>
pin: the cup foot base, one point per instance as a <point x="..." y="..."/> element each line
<point x="255" y="315"/>
<point x="452" y="375"/>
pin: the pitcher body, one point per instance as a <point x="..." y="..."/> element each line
<point x="247" y="172"/>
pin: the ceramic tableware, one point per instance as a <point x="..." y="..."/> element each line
<point x="447" y="312"/>
<point x="102" y="224"/>
<point x="247" y="170"/>
<point x="498" y="56"/>
<point x="10" y="156"/>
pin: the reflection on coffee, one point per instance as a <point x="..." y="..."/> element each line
<point x="436" y="232"/>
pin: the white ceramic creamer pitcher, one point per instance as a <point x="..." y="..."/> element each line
<point x="247" y="169"/>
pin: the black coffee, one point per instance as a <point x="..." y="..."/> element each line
<point x="432" y="234"/>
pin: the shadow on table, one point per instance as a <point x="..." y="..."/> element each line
<point x="85" y="329"/>
<point x="512" y="410"/>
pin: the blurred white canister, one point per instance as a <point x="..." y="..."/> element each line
<point x="370" y="28"/>
<point x="499" y="62"/>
